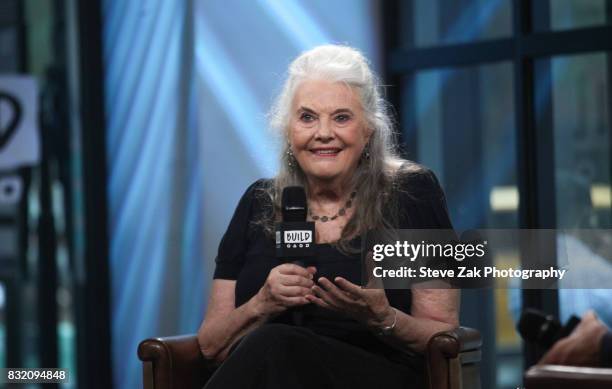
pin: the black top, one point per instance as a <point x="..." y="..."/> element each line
<point x="606" y="350"/>
<point x="246" y="254"/>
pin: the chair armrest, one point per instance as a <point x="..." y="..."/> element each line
<point x="451" y="343"/>
<point x="452" y="359"/>
<point x="173" y="362"/>
<point x="565" y="377"/>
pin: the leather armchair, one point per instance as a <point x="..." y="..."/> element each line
<point x="452" y="361"/>
<point x="173" y="362"/>
<point x="566" y="377"/>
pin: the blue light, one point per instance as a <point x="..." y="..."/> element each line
<point x="221" y="145"/>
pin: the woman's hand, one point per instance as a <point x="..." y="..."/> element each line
<point x="369" y="306"/>
<point x="287" y="286"/>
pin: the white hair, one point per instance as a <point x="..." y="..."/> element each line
<point x="336" y="63"/>
<point x="375" y="174"/>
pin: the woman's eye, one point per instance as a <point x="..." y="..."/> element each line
<point x="342" y="118"/>
<point x="306" y="117"/>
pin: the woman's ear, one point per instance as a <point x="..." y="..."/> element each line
<point x="368" y="134"/>
<point x="288" y="137"/>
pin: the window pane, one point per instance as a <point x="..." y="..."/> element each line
<point x="461" y="123"/>
<point x="441" y="22"/>
<point x="578" y="103"/>
<point x="465" y="132"/>
<point x="569" y="14"/>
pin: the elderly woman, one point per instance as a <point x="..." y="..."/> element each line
<point x="338" y="145"/>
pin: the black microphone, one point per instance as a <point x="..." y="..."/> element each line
<point x="294" y="235"/>
<point x="544" y="330"/>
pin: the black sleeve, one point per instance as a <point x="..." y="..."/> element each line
<point x="606" y="350"/>
<point x="232" y="248"/>
<point x="424" y="203"/>
<point x="437" y="201"/>
<point x="424" y="208"/>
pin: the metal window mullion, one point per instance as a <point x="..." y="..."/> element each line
<point x="534" y="156"/>
<point x="532" y="45"/>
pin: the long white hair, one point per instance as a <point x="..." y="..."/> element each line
<point x="376" y="174"/>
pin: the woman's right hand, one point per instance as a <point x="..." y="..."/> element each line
<point x="287" y="286"/>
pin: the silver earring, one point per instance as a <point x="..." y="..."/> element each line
<point x="290" y="159"/>
<point x="366" y="152"/>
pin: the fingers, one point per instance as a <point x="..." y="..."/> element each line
<point x="555" y="355"/>
<point x="323" y="296"/>
<point x="293" y="280"/>
<point x="334" y="290"/>
<point x="293" y="291"/>
<point x="353" y="290"/>
<point x="294" y="301"/>
<point x="318" y="301"/>
<point x="291" y="268"/>
<point x="329" y="293"/>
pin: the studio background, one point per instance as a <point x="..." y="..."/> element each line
<point x="153" y="123"/>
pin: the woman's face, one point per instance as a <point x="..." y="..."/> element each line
<point x="327" y="131"/>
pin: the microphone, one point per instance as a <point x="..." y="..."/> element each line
<point x="294" y="235"/>
<point x="544" y="330"/>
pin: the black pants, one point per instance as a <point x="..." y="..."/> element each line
<point x="288" y="357"/>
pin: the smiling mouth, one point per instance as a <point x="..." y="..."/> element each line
<point x="326" y="152"/>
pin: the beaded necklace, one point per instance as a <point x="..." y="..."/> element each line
<point x="341" y="211"/>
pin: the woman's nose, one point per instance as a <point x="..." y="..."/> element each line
<point x="324" y="130"/>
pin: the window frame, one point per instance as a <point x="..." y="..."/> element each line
<point x="535" y="148"/>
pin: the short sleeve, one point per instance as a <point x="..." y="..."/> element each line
<point x="424" y="208"/>
<point x="233" y="246"/>
<point x="437" y="201"/>
<point x="423" y="202"/>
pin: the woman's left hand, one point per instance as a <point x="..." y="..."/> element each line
<point x="369" y="306"/>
